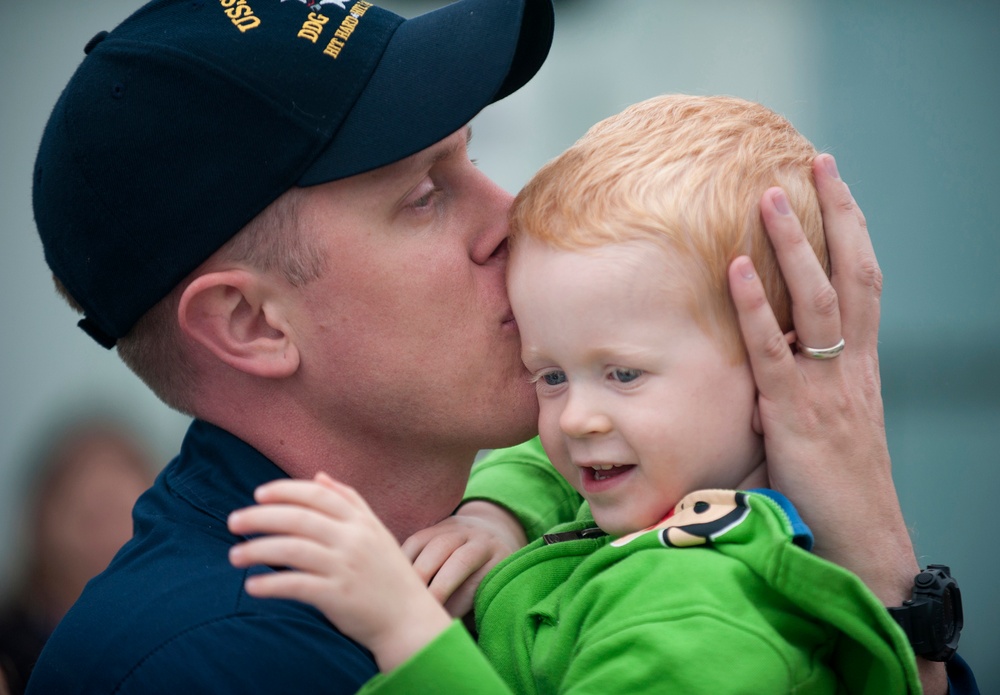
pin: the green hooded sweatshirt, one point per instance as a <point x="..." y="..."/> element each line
<point x="722" y="596"/>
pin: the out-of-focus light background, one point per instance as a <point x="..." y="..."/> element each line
<point x="904" y="93"/>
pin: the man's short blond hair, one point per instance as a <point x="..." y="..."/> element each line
<point x="687" y="173"/>
<point x="154" y="348"/>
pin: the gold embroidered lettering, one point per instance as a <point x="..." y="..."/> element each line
<point x="313" y="27"/>
<point x="247" y="23"/>
<point x="240" y="14"/>
<point x="333" y="48"/>
<point x="346" y="28"/>
<point x="239" y="11"/>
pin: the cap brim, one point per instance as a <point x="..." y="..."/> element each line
<point x="438" y="71"/>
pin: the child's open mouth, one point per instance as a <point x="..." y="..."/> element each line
<point x="607" y="471"/>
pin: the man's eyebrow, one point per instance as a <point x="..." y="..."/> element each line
<point x="449" y="151"/>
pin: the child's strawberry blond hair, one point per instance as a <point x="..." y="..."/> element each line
<point x="686" y="173"/>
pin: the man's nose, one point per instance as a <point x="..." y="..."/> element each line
<point x="490" y="205"/>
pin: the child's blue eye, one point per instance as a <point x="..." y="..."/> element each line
<point x="554" y="378"/>
<point x="625" y="375"/>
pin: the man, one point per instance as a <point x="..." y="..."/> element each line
<point x="269" y="207"/>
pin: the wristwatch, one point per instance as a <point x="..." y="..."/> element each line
<point x="932" y="619"/>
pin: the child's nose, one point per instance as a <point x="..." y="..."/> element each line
<point x="583" y="415"/>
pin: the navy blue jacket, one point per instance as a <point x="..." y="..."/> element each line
<point x="170" y="614"/>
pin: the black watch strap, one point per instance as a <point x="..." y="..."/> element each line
<point x="933" y="618"/>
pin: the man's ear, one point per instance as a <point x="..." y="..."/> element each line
<point x="232" y="315"/>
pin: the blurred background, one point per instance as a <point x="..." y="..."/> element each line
<point x="904" y="93"/>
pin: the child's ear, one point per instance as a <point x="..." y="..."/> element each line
<point x="232" y="315"/>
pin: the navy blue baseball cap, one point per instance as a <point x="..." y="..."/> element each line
<point x="192" y="116"/>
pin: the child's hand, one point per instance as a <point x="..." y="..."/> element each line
<point x="342" y="560"/>
<point x="456" y="554"/>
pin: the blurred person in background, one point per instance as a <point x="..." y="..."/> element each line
<point x="85" y="481"/>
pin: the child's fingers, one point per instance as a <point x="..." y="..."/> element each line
<point x="283" y="519"/>
<point x="322" y="494"/>
<point x="430" y="556"/>
<point x="282" y="551"/>
<point x="326" y="480"/>
<point x="413" y="546"/>
<point x="299" y="586"/>
<point x="460" y="565"/>
<point x="305" y="492"/>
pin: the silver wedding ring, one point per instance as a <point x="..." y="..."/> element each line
<point x="821" y="353"/>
